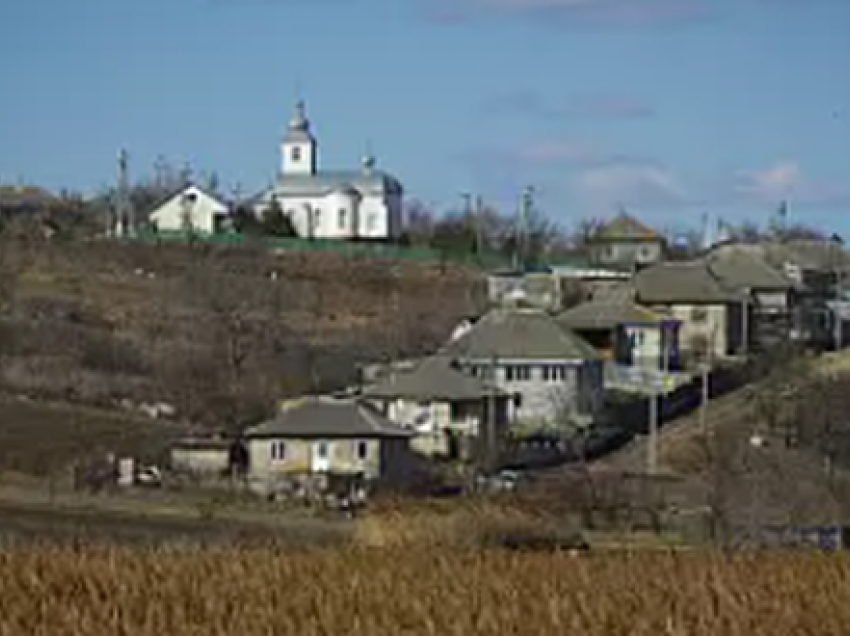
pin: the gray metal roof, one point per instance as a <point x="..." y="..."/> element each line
<point x="685" y="282"/>
<point x="325" y="182"/>
<point x="434" y="378"/>
<point x="608" y="314"/>
<point x="327" y="417"/>
<point x="299" y="137"/>
<point x="809" y="254"/>
<point x="519" y="334"/>
<point x="743" y="268"/>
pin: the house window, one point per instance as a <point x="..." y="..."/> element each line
<point x="518" y="373"/>
<point x="554" y="373"/>
<point x="322" y="450"/>
<point x="343" y="219"/>
<point x="278" y="451"/>
<point x="371" y="222"/>
<point x="317" y="218"/>
<point x="699" y="314"/>
<point x="362" y="451"/>
<point x="296" y="153"/>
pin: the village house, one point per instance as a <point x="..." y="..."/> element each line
<point x="712" y="314"/>
<point x="318" y="436"/>
<point x="27" y="199"/>
<point x="554" y="375"/>
<point x="820" y="270"/>
<point x="626" y="243"/>
<point x="772" y="295"/>
<point x="191" y="210"/>
<point x="541" y="289"/>
<point x="625" y="333"/>
<point x="355" y="204"/>
<point x="455" y="415"/>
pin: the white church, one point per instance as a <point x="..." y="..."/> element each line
<point x="365" y="203"/>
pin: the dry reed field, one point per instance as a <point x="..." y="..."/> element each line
<point x="394" y="591"/>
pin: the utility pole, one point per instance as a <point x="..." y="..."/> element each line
<point x="525" y="208"/>
<point x="706" y="371"/>
<point x="492" y="442"/>
<point x="656" y="403"/>
<point x="117" y="224"/>
<point x="745" y="321"/>
<point x="479" y="234"/>
<point x="837" y="312"/>
<point x="469" y="216"/>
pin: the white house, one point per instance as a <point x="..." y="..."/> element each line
<point x="365" y="203"/>
<point x="551" y="372"/>
<point x="192" y="209"/>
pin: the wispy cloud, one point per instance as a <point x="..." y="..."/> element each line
<point x="786" y="180"/>
<point x="598" y="180"/>
<point x="640" y="184"/>
<point x="531" y="104"/>
<point x="590" y="12"/>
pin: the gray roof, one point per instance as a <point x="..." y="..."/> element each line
<point x="809" y="254"/>
<point x="326" y="417"/>
<point x="685" y="282"/>
<point x="325" y="182"/>
<point x="744" y="268"/>
<point x="608" y="314"/>
<point x="299" y="127"/>
<point x="625" y="227"/>
<point x="519" y="334"/>
<point x="434" y="378"/>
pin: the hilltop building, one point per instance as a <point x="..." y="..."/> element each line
<point x="626" y="243"/>
<point x="356" y="204"/>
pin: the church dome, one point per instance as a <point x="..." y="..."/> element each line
<point x="299" y="125"/>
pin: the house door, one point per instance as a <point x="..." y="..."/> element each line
<point x="321" y="457"/>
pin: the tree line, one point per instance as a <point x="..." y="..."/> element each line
<point x="478" y="230"/>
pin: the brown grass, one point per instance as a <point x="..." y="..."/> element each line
<point x="212" y="592"/>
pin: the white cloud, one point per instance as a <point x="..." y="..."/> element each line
<point x="786" y="180"/>
<point x="631" y="184"/>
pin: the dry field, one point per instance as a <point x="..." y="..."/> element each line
<point x="261" y="591"/>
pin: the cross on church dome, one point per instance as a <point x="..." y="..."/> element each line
<point x="299" y="120"/>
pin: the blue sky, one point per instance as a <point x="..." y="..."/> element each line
<point x="671" y="108"/>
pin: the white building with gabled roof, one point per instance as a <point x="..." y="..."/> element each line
<point x="191" y="209"/>
<point x="357" y="204"/>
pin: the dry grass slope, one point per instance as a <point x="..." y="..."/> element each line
<point x="385" y="592"/>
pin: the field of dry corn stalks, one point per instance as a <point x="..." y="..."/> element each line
<point x="425" y="590"/>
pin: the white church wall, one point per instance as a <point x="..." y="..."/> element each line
<point x="374" y="217"/>
<point x="342" y="212"/>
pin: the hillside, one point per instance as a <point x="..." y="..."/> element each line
<point x="218" y="332"/>
<point x="773" y="452"/>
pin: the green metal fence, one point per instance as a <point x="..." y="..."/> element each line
<point x="381" y="250"/>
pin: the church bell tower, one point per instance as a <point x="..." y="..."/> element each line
<point x="299" y="156"/>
